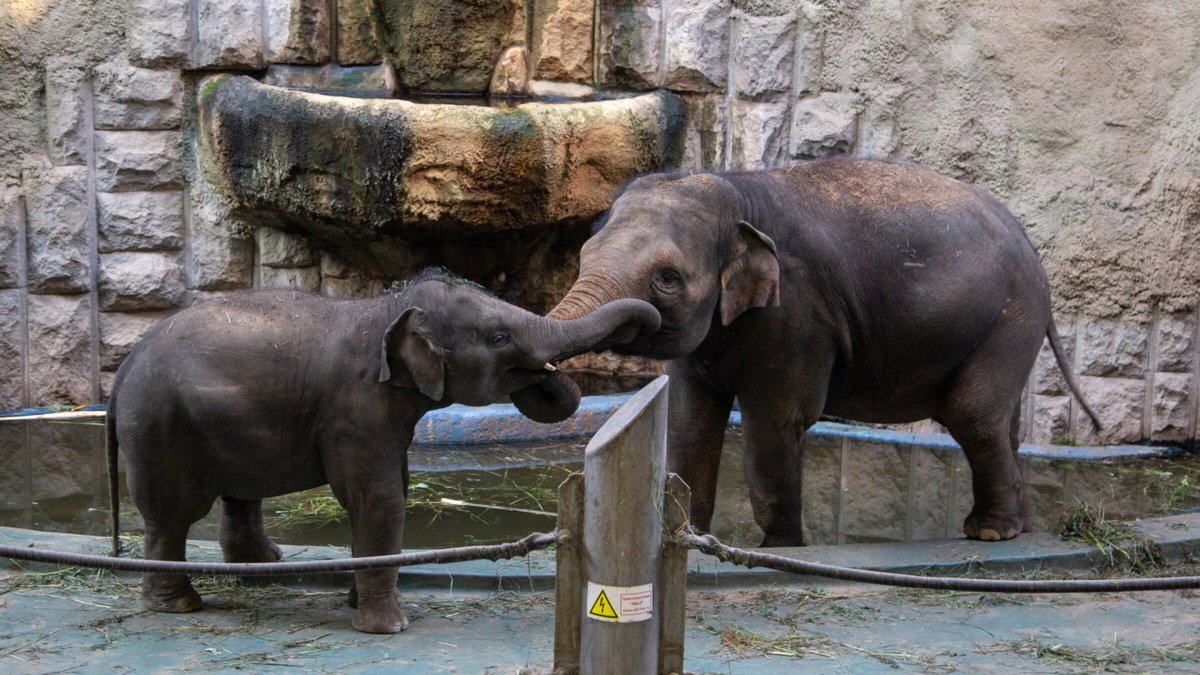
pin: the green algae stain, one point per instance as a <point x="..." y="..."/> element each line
<point x="512" y="125"/>
<point x="211" y="87"/>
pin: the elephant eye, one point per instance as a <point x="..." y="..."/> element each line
<point x="499" y="339"/>
<point x="669" y="277"/>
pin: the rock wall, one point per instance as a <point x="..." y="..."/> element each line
<point x="1082" y="116"/>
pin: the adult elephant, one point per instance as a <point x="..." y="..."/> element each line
<point x="270" y="392"/>
<point x="869" y="290"/>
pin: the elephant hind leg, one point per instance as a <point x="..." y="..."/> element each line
<point x="170" y="505"/>
<point x="1014" y="440"/>
<point x="172" y="593"/>
<point x="982" y="413"/>
<point x="998" y="512"/>
<point x="242" y="535"/>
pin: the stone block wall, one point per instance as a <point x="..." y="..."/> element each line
<point x="100" y="239"/>
<point x="1091" y="136"/>
<point x="1105" y="172"/>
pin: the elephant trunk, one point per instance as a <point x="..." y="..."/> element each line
<point x="557" y="396"/>
<point x="587" y="295"/>
<point x="597" y="328"/>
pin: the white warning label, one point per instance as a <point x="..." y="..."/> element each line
<point x="624" y="604"/>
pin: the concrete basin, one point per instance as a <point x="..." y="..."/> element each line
<point x="344" y="168"/>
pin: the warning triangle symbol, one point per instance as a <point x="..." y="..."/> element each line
<point x="603" y="608"/>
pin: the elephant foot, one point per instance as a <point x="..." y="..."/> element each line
<point x="263" y="551"/>
<point x="382" y="617"/>
<point x="776" y="540"/>
<point x="991" y="528"/>
<point x="352" y="596"/>
<point x="170" y="593"/>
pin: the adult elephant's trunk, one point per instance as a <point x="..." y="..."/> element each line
<point x="597" y="328"/>
<point x="587" y="295"/>
<point x="557" y="397"/>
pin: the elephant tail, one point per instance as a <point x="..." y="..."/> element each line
<point x="1061" y="357"/>
<point x="114" y="497"/>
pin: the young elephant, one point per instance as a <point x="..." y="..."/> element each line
<point x="870" y="290"/>
<point x="272" y="392"/>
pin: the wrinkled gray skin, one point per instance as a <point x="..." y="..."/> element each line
<point x="272" y="392"/>
<point x="868" y="290"/>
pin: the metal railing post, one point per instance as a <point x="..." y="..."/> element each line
<point x="624" y="465"/>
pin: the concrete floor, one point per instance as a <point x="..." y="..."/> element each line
<point x="739" y="621"/>
<point x="829" y="629"/>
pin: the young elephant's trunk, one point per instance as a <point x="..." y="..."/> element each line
<point x="557" y="397"/>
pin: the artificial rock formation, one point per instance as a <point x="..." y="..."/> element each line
<point x="348" y="171"/>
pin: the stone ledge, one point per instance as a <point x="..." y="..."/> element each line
<point x="390" y="167"/>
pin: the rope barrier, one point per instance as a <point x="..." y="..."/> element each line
<point x="533" y="542"/>
<point x="706" y="544"/>
<point x="710" y="545"/>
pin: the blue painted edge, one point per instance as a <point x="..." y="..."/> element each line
<point x="58" y="409"/>
<point x="502" y="422"/>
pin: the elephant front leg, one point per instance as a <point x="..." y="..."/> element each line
<point x="697" y="417"/>
<point x="242" y="534"/>
<point x="377" y="526"/>
<point x="772" y="455"/>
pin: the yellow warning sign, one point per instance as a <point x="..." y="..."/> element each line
<point x="623" y="604"/>
<point x="602" y="608"/>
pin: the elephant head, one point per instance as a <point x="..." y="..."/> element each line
<point x="455" y="342"/>
<point x="684" y="245"/>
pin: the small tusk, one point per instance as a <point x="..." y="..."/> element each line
<point x="550" y="368"/>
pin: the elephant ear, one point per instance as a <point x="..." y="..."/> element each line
<point x="553" y="400"/>
<point x="410" y="358"/>
<point x="751" y="279"/>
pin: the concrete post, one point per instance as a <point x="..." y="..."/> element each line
<point x="625" y="472"/>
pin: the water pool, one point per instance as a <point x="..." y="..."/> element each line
<point x="856" y="489"/>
